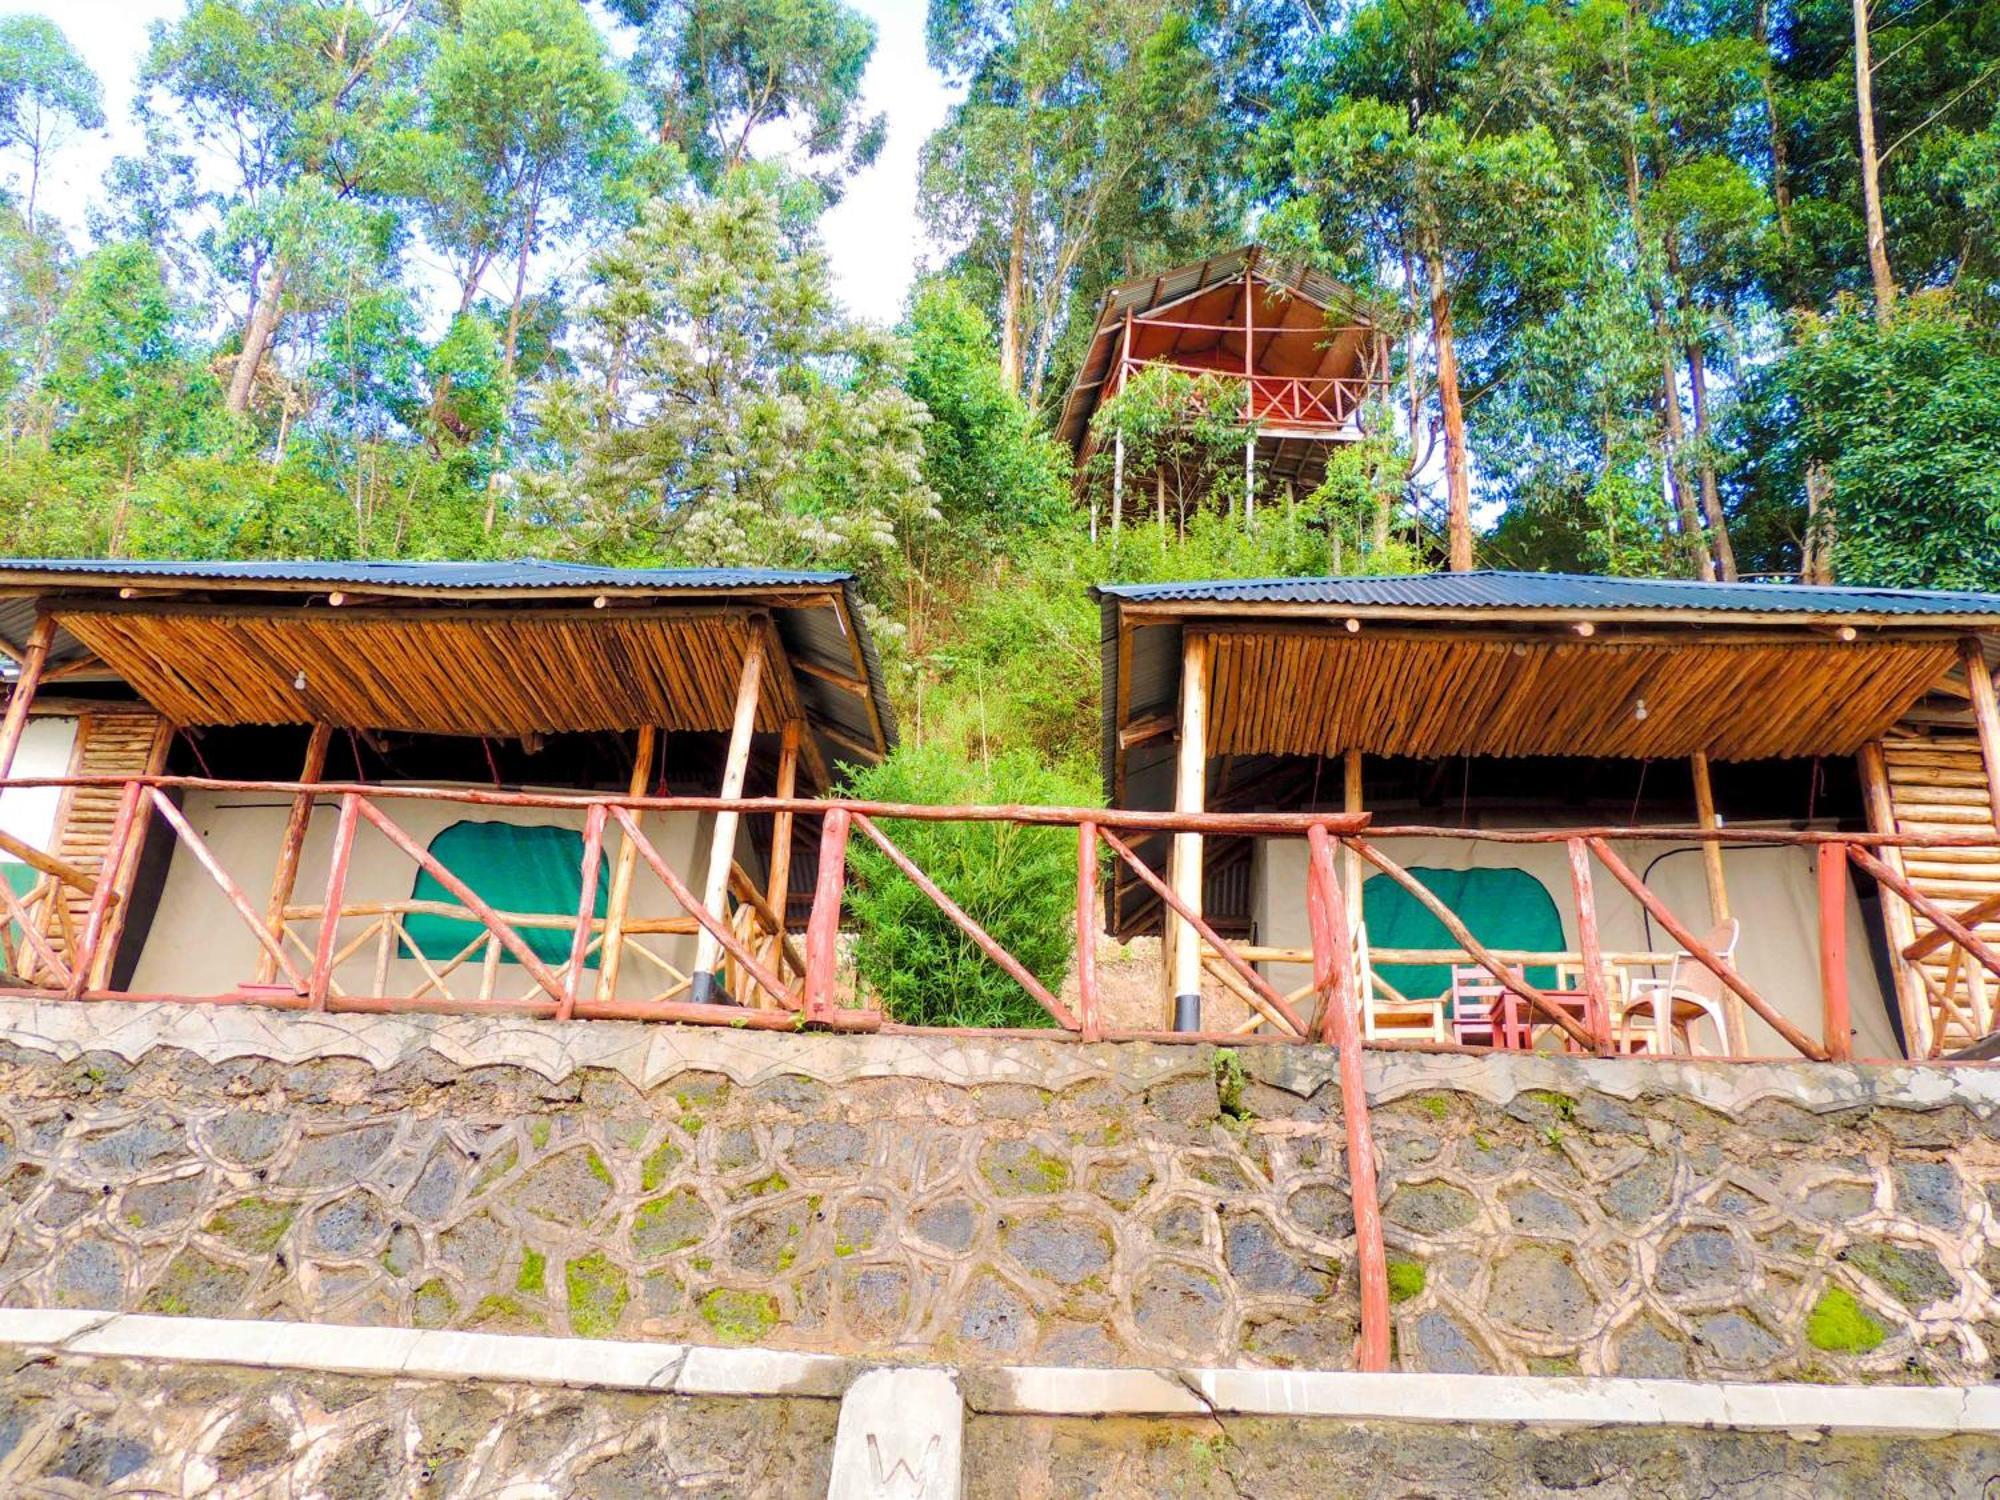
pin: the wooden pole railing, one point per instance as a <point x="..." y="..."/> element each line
<point x="803" y="980"/>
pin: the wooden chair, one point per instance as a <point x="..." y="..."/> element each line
<point x="1658" y="1010"/>
<point x="1483" y="1010"/>
<point x="1388" y="1015"/>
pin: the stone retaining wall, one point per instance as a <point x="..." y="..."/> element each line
<point x="98" y="1427"/>
<point x="1020" y="1202"/>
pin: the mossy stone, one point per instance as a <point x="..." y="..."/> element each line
<point x="597" y="1295"/>
<point x="739" y="1317"/>
<point x="1839" y="1324"/>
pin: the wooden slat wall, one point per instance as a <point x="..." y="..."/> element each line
<point x="107" y="744"/>
<point x="1312" y="693"/>
<point x="438" y="674"/>
<point x="1937" y="784"/>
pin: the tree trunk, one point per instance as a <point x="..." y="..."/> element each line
<point x="1871" y="188"/>
<point x="1457" y="470"/>
<point x="1673" y="436"/>
<point x="256" y="340"/>
<point x="528" y="227"/>
<point x="1816" y="560"/>
<point x="1711" y="498"/>
<point x="1781" y="161"/>
<point x="1011" y="353"/>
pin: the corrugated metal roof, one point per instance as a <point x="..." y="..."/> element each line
<point x="1504" y="591"/>
<point x="809" y="635"/>
<point x="526" y="573"/>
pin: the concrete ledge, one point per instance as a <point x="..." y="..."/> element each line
<point x="647" y="1054"/>
<point x="672" y="1369"/>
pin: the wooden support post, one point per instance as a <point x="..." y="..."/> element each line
<point x="823" y="927"/>
<point x="1912" y="1005"/>
<point x="1117" y="483"/>
<point x="777" y="890"/>
<point x="297" y="824"/>
<point x="34" y="661"/>
<point x="706" y="987"/>
<point x="90" y="960"/>
<point x="1249" y="396"/>
<point x="1986" y="715"/>
<point x="586" y="911"/>
<point x="1737" y="1036"/>
<point x="1086" y="932"/>
<point x="1588" y="946"/>
<point x="1332" y="975"/>
<point x="1350" y="765"/>
<point x="320" y="985"/>
<point x="611" y="952"/>
<point x="1837" y="1028"/>
<point x="1183" y="950"/>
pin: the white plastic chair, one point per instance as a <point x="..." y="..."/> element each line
<point x="1691" y="993"/>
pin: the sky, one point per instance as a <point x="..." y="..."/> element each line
<point x="873" y="238"/>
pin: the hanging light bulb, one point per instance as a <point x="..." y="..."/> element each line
<point x="299" y="682"/>
<point x="1639" y="709"/>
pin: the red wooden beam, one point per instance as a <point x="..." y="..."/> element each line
<point x="823" y="926"/>
<point x="336" y="895"/>
<point x="1332" y="972"/>
<point x="1588" y="945"/>
<point x="1837" y="1026"/>
<point x="163" y="805"/>
<point x="1086" y="931"/>
<point x="586" y="910"/>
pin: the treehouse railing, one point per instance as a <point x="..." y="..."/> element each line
<point x="1328" y="403"/>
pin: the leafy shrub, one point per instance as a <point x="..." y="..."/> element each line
<point x="1018" y="883"/>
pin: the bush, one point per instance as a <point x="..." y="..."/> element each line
<point x="1018" y="883"/>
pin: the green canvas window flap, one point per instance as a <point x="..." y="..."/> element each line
<point x="1504" y="908"/>
<point x="529" y="869"/>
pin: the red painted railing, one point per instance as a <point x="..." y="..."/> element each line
<point x="1327" y="403"/>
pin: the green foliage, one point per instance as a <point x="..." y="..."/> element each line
<point x="991" y="470"/>
<point x="1905" y="424"/>
<point x="1018" y="883"/>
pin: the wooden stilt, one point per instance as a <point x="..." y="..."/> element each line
<point x="293" y="846"/>
<point x="823" y="927"/>
<point x="1911" y="1003"/>
<point x="34" y="661"/>
<point x="1117" y="483"/>
<point x="612" y="954"/>
<point x="1190" y="793"/>
<point x="722" y="851"/>
<point x="1737" y="1038"/>
<point x="777" y="890"/>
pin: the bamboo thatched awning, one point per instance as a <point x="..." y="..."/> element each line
<point x="467" y="649"/>
<point x="1513" y="664"/>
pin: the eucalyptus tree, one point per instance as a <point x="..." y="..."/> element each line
<point x="1093" y="141"/>
<point x="314" y="101"/>
<point x="527" y="124"/>
<point x="716" y="73"/>
<point x="47" y="94"/>
<point x="1400" y="153"/>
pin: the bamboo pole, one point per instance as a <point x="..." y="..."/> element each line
<point x="1190" y="794"/>
<point x="1350" y="767"/>
<point x="586" y="911"/>
<point x="1911" y="1002"/>
<point x="722" y="851"/>
<point x="34" y="661"/>
<point x="611" y="955"/>
<point x="205" y="857"/>
<point x="1737" y="1037"/>
<point x="297" y="823"/>
<point x="1986" y="715"/>
<point x="1332" y="958"/>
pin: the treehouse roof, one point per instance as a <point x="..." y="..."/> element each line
<point x="1306" y="324"/>
<point x="513" y="648"/>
